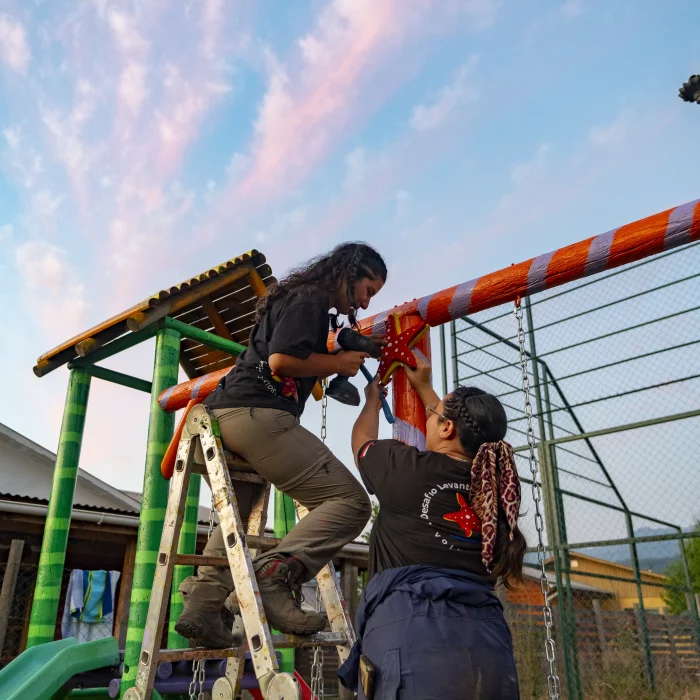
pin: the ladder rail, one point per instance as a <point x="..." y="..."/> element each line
<point x="157" y="608"/>
<point x="231" y="681"/>
<point x="333" y="600"/>
<point x="252" y="612"/>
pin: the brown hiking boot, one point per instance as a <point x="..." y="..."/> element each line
<point x="281" y="597"/>
<point x="205" y="628"/>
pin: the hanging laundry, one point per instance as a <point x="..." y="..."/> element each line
<point x="89" y="610"/>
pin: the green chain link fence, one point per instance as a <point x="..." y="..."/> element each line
<point x="615" y="385"/>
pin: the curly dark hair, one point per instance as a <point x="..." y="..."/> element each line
<point x="480" y="418"/>
<point x="344" y="265"/>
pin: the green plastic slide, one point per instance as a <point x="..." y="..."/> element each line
<point x="41" y="671"/>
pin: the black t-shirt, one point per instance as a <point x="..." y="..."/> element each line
<point x="424" y="513"/>
<point x="296" y="325"/>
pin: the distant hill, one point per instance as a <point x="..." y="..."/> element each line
<point x="653" y="556"/>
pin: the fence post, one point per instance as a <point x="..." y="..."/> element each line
<point x="600" y="627"/>
<point x="671" y="641"/>
<point x="9" y="582"/>
<point x="643" y="637"/>
<point x="693" y="602"/>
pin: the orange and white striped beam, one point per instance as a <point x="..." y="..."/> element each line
<point x="654" y="234"/>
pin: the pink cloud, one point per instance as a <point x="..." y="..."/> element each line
<point x="14" y="48"/>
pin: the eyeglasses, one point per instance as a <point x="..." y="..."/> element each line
<point x="431" y="408"/>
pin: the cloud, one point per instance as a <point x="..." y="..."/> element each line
<point x="7" y="232"/>
<point x="132" y="86"/>
<point x="14" y="49"/>
<point x="572" y="9"/>
<point x="356" y="166"/>
<point x="522" y="172"/>
<point x="283" y="225"/>
<point x="449" y="100"/>
<point x="403" y="204"/>
<point x="12" y="137"/>
<point x="51" y="288"/>
<point x="614" y="132"/>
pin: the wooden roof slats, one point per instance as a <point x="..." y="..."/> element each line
<point x="220" y="300"/>
<point x="176" y="302"/>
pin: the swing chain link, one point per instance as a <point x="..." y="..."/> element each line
<point x="198" y="666"/>
<point x="553" y="685"/>
<point x="317" y="690"/>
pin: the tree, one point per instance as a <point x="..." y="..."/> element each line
<point x="674" y="593"/>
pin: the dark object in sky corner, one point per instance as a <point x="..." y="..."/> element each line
<point x="690" y="92"/>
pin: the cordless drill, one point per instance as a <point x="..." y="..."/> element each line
<point x="340" y="388"/>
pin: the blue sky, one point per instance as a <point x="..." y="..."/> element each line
<point x="142" y="142"/>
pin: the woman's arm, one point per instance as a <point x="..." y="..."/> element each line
<point x="346" y="363"/>
<point x="421" y="380"/>
<point x="366" y="426"/>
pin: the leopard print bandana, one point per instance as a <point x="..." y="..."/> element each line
<point x="485" y="489"/>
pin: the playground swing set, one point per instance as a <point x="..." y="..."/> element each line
<point x="202" y="325"/>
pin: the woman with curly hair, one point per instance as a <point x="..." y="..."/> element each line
<point x="429" y="625"/>
<point x="258" y="405"/>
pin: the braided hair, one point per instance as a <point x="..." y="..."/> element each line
<point x="481" y="424"/>
<point x="345" y="264"/>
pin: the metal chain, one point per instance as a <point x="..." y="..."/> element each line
<point x="553" y="686"/>
<point x="324" y="411"/>
<point x="317" y="690"/>
<point x="198" y="666"/>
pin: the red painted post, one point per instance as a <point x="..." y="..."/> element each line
<point x="408" y="409"/>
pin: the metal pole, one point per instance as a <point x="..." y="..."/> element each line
<point x="285" y="519"/>
<point x="692" y="602"/>
<point x="455" y="362"/>
<point x="556" y="508"/>
<point x="53" y="547"/>
<point x="443" y="359"/>
<point x="640" y="611"/>
<point x="186" y="545"/>
<point x="155" y="496"/>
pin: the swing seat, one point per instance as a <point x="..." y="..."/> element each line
<point x="167" y="466"/>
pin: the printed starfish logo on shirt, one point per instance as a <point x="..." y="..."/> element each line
<point x="465" y="517"/>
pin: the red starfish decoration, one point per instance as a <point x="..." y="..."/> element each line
<point x="465" y="517"/>
<point x="397" y="351"/>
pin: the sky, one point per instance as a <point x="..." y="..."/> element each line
<point x="143" y="142"/>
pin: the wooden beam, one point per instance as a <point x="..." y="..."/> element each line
<point x="215" y="318"/>
<point x="8" y="586"/>
<point x="121" y="614"/>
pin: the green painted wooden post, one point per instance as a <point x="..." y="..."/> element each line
<point x="285" y="519"/>
<point x="186" y="545"/>
<point x="161" y="426"/>
<point x="53" y="547"/>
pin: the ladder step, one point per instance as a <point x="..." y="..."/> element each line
<point x="212" y="560"/>
<point x="236" y="475"/>
<point x="279" y="641"/>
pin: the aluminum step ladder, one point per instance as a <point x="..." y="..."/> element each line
<point x="201" y="426"/>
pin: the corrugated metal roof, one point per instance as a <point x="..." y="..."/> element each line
<point x="26" y="473"/>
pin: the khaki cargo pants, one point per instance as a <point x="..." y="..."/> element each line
<point x="300" y="465"/>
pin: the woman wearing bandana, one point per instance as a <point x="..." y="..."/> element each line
<point x="429" y="623"/>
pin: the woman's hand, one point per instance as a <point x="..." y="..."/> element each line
<point x="374" y="391"/>
<point x="421" y="377"/>
<point x="379" y="339"/>
<point x="349" y="362"/>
